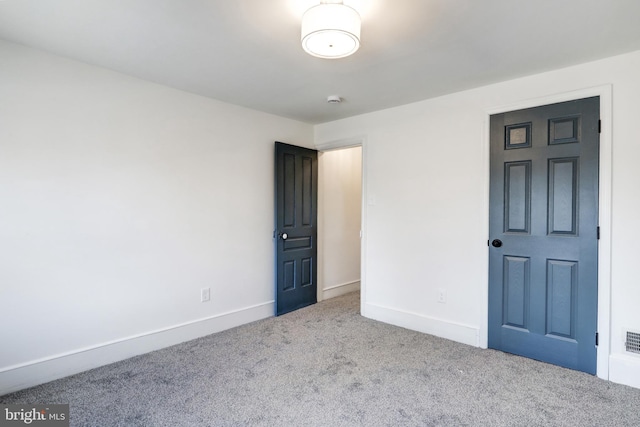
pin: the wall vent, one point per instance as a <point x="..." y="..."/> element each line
<point x="632" y="343"/>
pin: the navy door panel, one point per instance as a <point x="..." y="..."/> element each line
<point x="296" y="189"/>
<point x="544" y="211"/>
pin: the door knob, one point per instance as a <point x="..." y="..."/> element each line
<point x="284" y="236"/>
<point x="496" y="243"/>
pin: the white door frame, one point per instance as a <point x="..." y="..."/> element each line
<point x="604" y="210"/>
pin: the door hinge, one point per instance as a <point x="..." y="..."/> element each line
<point x="599" y="126"/>
<point x="598" y="232"/>
<point x="597" y="338"/>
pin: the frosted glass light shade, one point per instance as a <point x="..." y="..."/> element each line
<point x="331" y="30"/>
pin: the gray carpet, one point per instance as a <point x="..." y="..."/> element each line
<point x="325" y="365"/>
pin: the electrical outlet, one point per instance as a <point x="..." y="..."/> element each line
<point x="205" y="294"/>
<point x="442" y="296"/>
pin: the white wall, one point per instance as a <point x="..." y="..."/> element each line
<point x="340" y="209"/>
<point x="121" y="199"/>
<point x="426" y="217"/>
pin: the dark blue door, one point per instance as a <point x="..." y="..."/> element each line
<point x="296" y="228"/>
<point x="543" y="253"/>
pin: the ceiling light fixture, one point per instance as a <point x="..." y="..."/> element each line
<point x="331" y="30"/>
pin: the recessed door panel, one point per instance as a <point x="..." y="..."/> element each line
<point x="516" y="291"/>
<point x="517" y="136"/>
<point x="562" y="282"/>
<point x="564" y="130"/>
<point x="289" y="190"/>
<point x="517" y="196"/>
<point x="307" y="191"/>
<point x="307" y="272"/>
<point x="563" y="196"/>
<point x="289" y="275"/>
<point x="297" y="243"/>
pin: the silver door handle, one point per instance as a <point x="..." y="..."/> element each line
<point x="284" y="236"/>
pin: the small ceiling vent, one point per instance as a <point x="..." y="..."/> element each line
<point x="633" y="342"/>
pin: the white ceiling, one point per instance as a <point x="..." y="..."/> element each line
<point x="248" y="52"/>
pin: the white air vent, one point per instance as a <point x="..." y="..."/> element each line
<point x="632" y="344"/>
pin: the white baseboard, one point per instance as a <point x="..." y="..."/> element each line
<point x="465" y="334"/>
<point x="341" y="289"/>
<point x="624" y="369"/>
<point x="29" y="374"/>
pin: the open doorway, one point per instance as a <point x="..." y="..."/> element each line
<point x="339" y="221"/>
